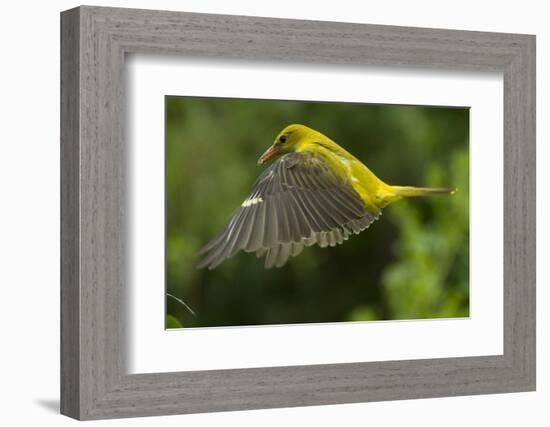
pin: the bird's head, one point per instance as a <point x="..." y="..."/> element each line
<point x="291" y="138"/>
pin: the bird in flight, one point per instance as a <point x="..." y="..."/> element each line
<point x="315" y="192"/>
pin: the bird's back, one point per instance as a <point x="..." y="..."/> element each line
<point x="375" y="193"/>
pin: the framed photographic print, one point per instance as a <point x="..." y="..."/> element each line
<point x="362" y="279"/>
<point x="262" y="213"/>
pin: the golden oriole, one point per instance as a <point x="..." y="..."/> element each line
<point x="314" y="193"/>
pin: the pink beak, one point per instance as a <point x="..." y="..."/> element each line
<point x="270" y="152"/>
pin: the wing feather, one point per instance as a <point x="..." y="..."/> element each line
<point x="284" y="226"/>
<point x="271" y="231"/>
<point x="297" y="248"/>
<point x="256" y="235"/>
<point x="271" y="257"/>
<point x="283" y="255"/>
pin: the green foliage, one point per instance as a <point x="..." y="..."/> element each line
<point x="421" y="283"/>
<point x="412" y="263"/>
<point x="172" y="322"/>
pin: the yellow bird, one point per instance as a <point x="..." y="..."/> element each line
<point x="314" y="193"/>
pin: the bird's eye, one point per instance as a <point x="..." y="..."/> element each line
<point x="283" y="138"/>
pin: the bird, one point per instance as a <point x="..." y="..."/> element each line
<point x="313" y="192"/>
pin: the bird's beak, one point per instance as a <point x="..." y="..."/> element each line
<point x="270" y="152"/>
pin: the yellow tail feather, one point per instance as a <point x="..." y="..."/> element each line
<point x="420" y="191"/>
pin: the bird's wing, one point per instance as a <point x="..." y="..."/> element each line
<point x="297" y="201"/>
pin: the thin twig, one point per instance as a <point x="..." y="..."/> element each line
<point x="183" y="303"/>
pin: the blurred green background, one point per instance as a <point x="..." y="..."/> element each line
<point x="411" y="264"/>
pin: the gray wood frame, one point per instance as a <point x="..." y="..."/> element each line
<point x="94" y="41"/>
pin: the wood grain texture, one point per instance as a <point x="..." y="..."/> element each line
<point x="70" y="221"/>
<point x="94" y="238"/>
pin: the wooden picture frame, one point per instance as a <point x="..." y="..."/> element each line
<point x="94" y="382"/>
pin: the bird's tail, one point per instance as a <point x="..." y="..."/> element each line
<point x="421" y="191"/>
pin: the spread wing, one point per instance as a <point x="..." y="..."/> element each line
<point x="297" y="201"/>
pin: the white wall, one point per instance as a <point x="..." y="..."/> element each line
<point x="29" y="226"/>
